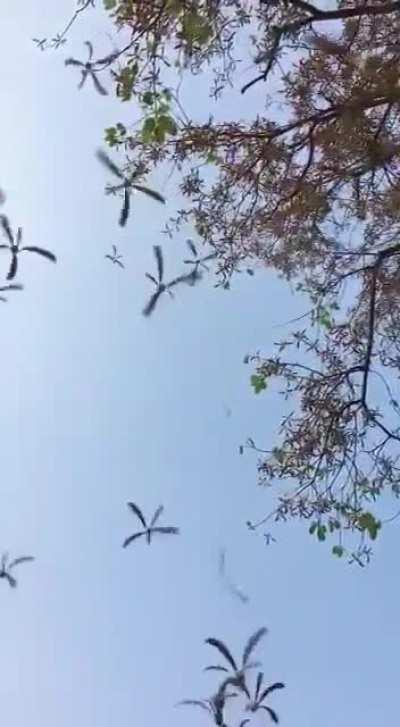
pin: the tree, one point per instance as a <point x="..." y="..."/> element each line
<point x="14" y="246"/>
<point x="260" y="696"/>
<point x="115" y="257"/>
<point x="10" y="286"/>
<point x="7" y="566"/>
<point x="127" y="184"/>
<point x="188" y="279"/>
<point x="238" y="674"/>
<point x="310" y="188"/>
<point x="149" y="529"/>
<point x="89" y="69"/>
<point x="216" y="705"/>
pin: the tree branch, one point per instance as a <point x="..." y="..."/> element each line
<point x="317" y="15"/>
<point x="342" y="13"/>
<point x="371" y="331"/>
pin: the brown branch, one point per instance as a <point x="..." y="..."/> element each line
<point x="146" y="30"/>
<point x="59" y="39"/>
<point x="317" y="15"/>
<point x="371" y="331"/>
<point x="343" y="13"/>
<point x="83" y="7"/>
<point x="302" y="5"/>
<point x="319" y="117"/>
<point x="343" y="276"/>
<point x="383" y="120"/>
<point x="272" y="55"/>
<point x="381" y="256"/>
<point x="389" y="434"/>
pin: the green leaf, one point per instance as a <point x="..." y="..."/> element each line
<point x="109" y="4"/>
<point x="148" y="129"/>
<point x="278" y="454"/>
<point x="338" y="550"/>
<point x="111" y="136"/>
<point x="195" y="28"/>
<point x="115" y="135"/>
<point x="333" y="525"/>
<point x="204" y="33"/>
<point x="321" y="533"/>
<point x="324" y="318"/>
<point x="175" y="7"/>
<point x="211" y="158"/>
<point x="147" y="98"/>
<point x="159" y="134"/>
<point x="258" y="383"/>
<point x="313" y="527"/>
<point x="166" y="124"/>
<point x="367" y="522"/>
<point x="125" y="82"/>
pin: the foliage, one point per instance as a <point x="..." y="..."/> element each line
<point x="237" y="678"/>
<point x="307" y="186"/>
<point x="258" y="382"/>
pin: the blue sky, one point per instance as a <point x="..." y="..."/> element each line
<point x="100" y="406"/>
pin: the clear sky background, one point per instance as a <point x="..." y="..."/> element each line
<point x="99" y="405"/>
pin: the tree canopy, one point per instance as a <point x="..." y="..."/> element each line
<point x="308" y="187"/>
